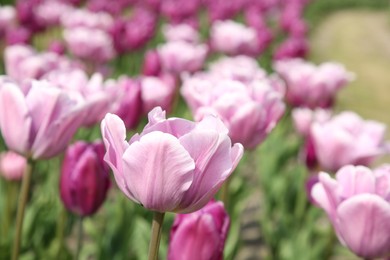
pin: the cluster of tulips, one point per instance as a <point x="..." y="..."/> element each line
<point x="194" y="54"/>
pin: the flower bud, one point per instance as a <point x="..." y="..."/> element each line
<point x="200" y="235"/>
<point x="12" y="166"/>
<point x="84" y="178"/>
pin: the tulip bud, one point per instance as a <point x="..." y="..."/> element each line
<point x="84" y="178"/>
<point x="12" y="166"/>
<point x="200" y="235"/>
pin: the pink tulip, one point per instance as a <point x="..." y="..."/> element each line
<point x="12" y="166"/>
<point x="90" y="44"/>
<point x="249" y="112"/>
<point x="347" y="139"/>
<point x="7" y="19"/>
<point x="357" y="203"/>
<point x="178" y="9"/>
<point x="200" y="235"/>
<point x="234" y="38"/>
<point x="157" y="91"/>
<point x="181" y="32"/>
<point x="84" y="178"/>
<point x="49" y="13"/>
<point x="79" y="86"/>
<point x="177" y="57"/>
<point x="38" y="121"/>
<point x="86" y="19"/>
<point x="303" y="118"/>
<point x="174" y="165"/>
<point x="312" y="86"/>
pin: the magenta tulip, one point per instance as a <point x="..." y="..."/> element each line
<point x="84" y="178"/>
<point x="12" y="166"/>
<point x="200" y="235"/>
<point x="38" y="120"/>
<point x="358" y="205"/>
<point x="174" y="165"/>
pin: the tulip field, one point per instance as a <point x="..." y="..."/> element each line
<point x="194" y="129"/>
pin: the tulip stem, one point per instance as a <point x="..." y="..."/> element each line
<point x="80" y="235"/>
<point x="21" y="208"/>
<point x="225" y="192"/>
<point x="155" y="238"/>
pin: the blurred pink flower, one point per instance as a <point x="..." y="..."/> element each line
<point x="157" y="91"/>
<point x="90" y="44"/>
<point x="357" y="203"/>
<point x="152" y="64"/>
<point x="180" y="32"/>
<point x="84" y="180"/>
<point x="292" y="47"/>
<point x="312" y="86"/>
<point x="38" y="120"/>
<point x="178" y="56"/>
<point x="347" y="139"/>
<point x="200" y="235"/>
<point x="174" y="165"/>
<point x="303" y="118"/>
<point x="87" y="19"/>
<point x="233" y="38"/>
<point x="7" y="19"/>
<point x="12" y="166"/>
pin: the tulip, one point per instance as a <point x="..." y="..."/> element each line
<point x="174" y="165"/>
<point x="181" y="32"/>
<point x="157" y="91"/>
<point x="234" y="38"/>
<point x="178" y="56"/>
<point x="357" y="203"/>
<point x="312" y="86"/>
<point x="178" y="9"/>
<point x="200" y="235"/>
<point x="292" y="47"/>
<point x="152" y="64"/>
<point x="303" y="118"/>
<point x="7" y="19"/>
<point x="127" y="104"/>
<point x="94" y="45"/>
<point x="250" y="111"/>
<point x="38" y="121"/>
<point x="347" y="139"/>
<point x="18" y="35"/>
<point x="12" y="166"/>
<point x="86" y="19"/>
<point x="84" y="180"/>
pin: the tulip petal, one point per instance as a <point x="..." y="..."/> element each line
<point x="114" y="138"/>
<point x="15" y="121"/>
<point x="211" y="152"/>
<point x="159" y="171"/>
<point x="324" y="194"/>
<point x="364" y="225"/>
<point x="196" y="239"/>
<point x="355" y="180"/>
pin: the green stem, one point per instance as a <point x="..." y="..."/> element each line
<point x="21" y="208"/>
<point x="79" y="237"/>
<point x="60" y="231"/>
<point x="154" y="245"/>
<point x="225" y="192"/>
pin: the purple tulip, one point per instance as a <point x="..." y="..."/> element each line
<point x="303" y="118"/>
<point x="292" y="47"/>
<point x="152" y="64"/>
<point x="358" y="205"/>
<point x="84" y="18"/>
<point x="347" y="139"/>
<point x="200" y="235"/>
<point x="312" y="86"/>
<point x="174" y="165"/>
<point x="18" y="35"/>
<point x="178" y="9"/>
<point x="127" y="100"/>
<point x="38" y="120"/>
<point x="84" y="178"/>
<point x="57" y="47"/>
<point x="12" y="166"/>
<point x="133" y="33"/>
<point x="222" y="9"/>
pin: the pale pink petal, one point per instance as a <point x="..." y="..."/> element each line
<point x="15" y="121"/>
<point x="355" y="180"/>
<point x="364" y="225"/>
<point x="158" y="170"/>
